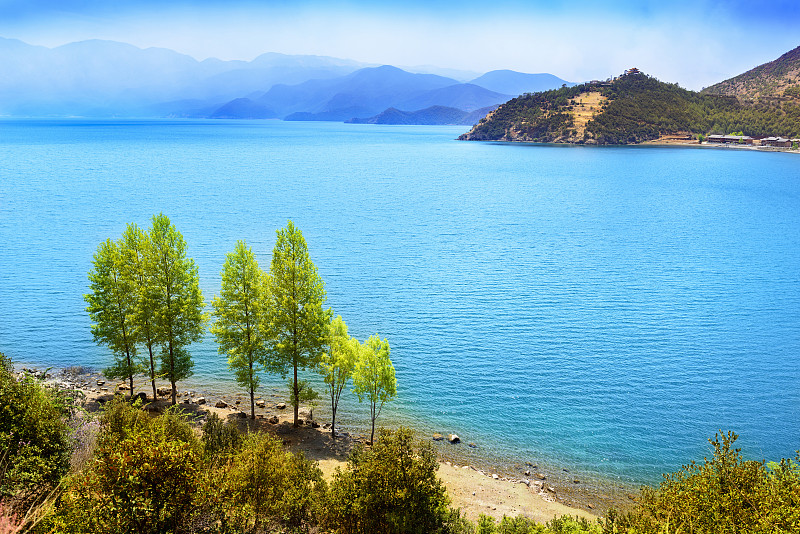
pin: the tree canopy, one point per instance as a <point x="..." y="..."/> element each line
<point x="337" y="363"/>
<point x="179" y="319"/>
<point x="111" y="307"/>
<point x="374" y="377"/>
<point x="240" y="317"/>
<point x="297" y="319"/>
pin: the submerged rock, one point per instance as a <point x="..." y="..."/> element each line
<point x="438" y="437"/>
<point x="453" y="438"/>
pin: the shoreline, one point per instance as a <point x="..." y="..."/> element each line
<point x="476" y="487"/>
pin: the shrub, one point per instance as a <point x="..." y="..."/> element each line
<point x="219" y="438"/>
<point x="390" y="488"/>
<point x="725" y="494"/>
<point x="34" y="437"/>
<point x="267" y="484"/>
<point x="145" y="477"/>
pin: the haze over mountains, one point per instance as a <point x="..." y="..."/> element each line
<point x="111" y="79"/>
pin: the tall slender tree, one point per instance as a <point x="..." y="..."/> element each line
<point x="337" y="363"/>
<point x="178" y="318"/>
<point x="374" y="378"/>
<point x="239" y="317"/>
<point x="135" y="250"/>
<point x="296" y="322"/>
<point x="111" y="306"/>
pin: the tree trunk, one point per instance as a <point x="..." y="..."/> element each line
<point x="131" y="379"/>
<point x="372" y="434"/>
<point x="152" y="371"/>
<point x="333" y="425"/>
<point x="296" y="398"/>
<point x="172" y="376"/>
<point x="252" y="402"/>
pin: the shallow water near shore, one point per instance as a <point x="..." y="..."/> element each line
<point x="603" y="310"/>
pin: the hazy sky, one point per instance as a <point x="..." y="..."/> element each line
<point x="694" y="43"/>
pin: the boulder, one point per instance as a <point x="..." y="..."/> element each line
<point x="123" y="387"/>
<point x="314" y="424"/>
<point x="453" y="438"/>
<point x="201" y="400"/>
<point x="140" y="397"/>
<point x="273" y="420"/>
<point x="281" y="406"/>
<point x="101" y="382"/>
<point x="472" y="444"/>
<point x="163" y="392"/>
<point x="438" y="437"/>
<point x="241" y="415"/>
<point x="221" y="404"/>
<point x="260" y="403"/>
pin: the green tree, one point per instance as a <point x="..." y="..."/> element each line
<point x="136" y="251"/>
<point x="178" y="303"/>
<point x="336" y="365"/>
<point x="296" y="323"/>
<point x="373" y="377"/>
<point x="111" y="306"/>
<point x="239" y="312"/>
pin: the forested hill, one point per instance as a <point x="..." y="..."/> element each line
<point x="630" y="109"/>
<point x="777" y="79"/>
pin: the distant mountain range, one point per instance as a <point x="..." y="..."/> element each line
<point x="110" y="79"/>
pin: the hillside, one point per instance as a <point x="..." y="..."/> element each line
<point x="777" y="79"/>
<point x="632" y="108"/>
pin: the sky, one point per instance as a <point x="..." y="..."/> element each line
<point x="693" y="43"/>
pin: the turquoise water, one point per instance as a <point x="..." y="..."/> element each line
<point x="604" y="309"/>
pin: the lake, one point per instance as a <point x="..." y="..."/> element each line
<point x="602" y="309"/>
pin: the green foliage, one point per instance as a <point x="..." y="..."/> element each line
<point x="136" y="250"/>
<point x="296" y="328"/>
<point x="178" y="303"/>
<point x="144" y="478"/>
<point x="639" y="108"/>
<point x="34" y="437"/>
<point x="724" y="494"/>
<point x="539" y="117"/>
<point x="373" y="376"/>
<point x="390" y="488"/>
<point x="570" y="525"/>
<point x="266" y="484"/>
<point x="111" y="307"/>
<point x="523" y="525"/>
<point x="219" y="438"/>
<point x="240" y="312"/>
<point x="337" y="363"/>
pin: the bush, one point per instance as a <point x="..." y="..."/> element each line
<point x="219" y="438"/>
<point x="725" y="494"/>
<point x="34" y="437"/>
<point x="390" y="488"/>
<point x="267" y="484"/>
<point x="145" y="477"/>
<point x="524" y="525"/>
